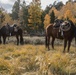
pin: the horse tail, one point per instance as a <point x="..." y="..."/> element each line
<point x="46" y="40"/>
<point x="75" y="34"/>
<point x="75" y="40"/>
<point x="0" y="39"/>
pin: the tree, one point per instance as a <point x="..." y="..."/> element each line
<point x="75" y="1"/>
<point x="23" y="15"/>
<point x="47" y="9"/>
<point x="68" y="15"/>
<point x="15" y="10"/>
<point x="46" y="20"/>
<point x="52" y="16"/>
<point x="35" y="13"/>
<point x="2" y="16"/>
<point x="42" y="20"/>
<point x="59" y="5"/>
<point x="56" y="12"/>
<point x="8" y="19"/>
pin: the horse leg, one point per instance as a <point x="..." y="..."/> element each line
<point x="65" y="44"/>
<point x="0" y="40"/>
<point x="17" y="39"/>
<point x="48" y="42"/>
<point x="8" y="37"/>
<point x="52" y="43"/>
<point x="4" y="39"/>
<point x="69" y="44"/>
<point x="21" y="39"/>
<point x="75" y="40"/>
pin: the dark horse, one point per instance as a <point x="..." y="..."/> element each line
<point x="60" y="30"/>
<point x="11" y="30"/>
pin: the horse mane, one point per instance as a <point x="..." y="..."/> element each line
<point x="73" y="26"/>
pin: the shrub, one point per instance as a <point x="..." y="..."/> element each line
<point x="34" y="40"/>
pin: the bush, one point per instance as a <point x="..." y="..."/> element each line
<point x="34" y="40"/>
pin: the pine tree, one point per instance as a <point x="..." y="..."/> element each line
<point x="15" y="10"/>
<point x="52" y="17"/>
<point x="23" y="16"/>
<point x="2" y="16"/>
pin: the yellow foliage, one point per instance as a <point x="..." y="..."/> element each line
<point x="67" y="11"/>
<point x="46" y="20"/>
<point x="68" y="14"/>
<point x="55" y="11"/>
<point x="35" y="13"/>
<point x="8" y="19"/>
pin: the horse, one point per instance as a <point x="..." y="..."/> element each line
<point x="60" y="32"/>
<point x="11" y="30"/>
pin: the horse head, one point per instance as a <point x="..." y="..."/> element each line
<point x="15" y="27"/>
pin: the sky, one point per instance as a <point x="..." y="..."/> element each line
<point x="7" y="4"/>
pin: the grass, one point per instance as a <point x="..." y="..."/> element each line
<point x="36" y="60"/>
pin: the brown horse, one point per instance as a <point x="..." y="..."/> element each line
<point x="55" y="32"/>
